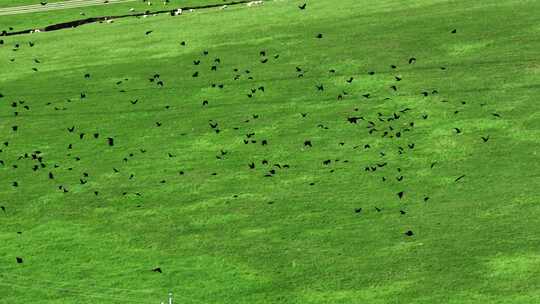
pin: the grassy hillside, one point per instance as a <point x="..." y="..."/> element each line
<point x="10" y="3"/>
<point x="91" y="221"/>
<point x="21" y="22"/>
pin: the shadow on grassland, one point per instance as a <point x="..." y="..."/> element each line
<point x="75" y="23"/>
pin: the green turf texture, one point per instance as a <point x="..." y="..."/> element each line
<point x="217" y="238"/>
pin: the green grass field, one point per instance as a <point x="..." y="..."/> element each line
<point x="42" y="19"/>
<point x="10" y="3"/>
<point x="91" y="221"/>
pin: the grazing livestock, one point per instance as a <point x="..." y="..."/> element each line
<point x="253" y="3"/>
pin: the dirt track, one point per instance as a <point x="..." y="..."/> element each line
<point x="56" y="6"/>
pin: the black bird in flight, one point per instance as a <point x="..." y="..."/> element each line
<point x="303" y="6"/>
<point x="457" y="179"/>
<point x="319" y="36"/>
<point x="307" y="143"/>
<point x="400" y="194"/>
<point x="409" y="233"/>
<point x="353" y="119"/>
<point x="148" y="32"/>
<point x="320" y="87"/>
<point x="252" y="165"/>
<point x="454" y="31"/>
<point x="157" y="270"/>
<point x="485" y="139"/>
<point x="457" y="130"/>
<point x="110" y="141"/>
<point x="358" y="210"/>
<point x="412" y="60"/>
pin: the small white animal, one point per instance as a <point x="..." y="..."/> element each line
<point x="252" y="3"/>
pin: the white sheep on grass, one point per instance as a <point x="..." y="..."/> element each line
<point x="253" y="3"/>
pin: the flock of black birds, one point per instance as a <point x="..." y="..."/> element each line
<point x="393" y="126"/>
